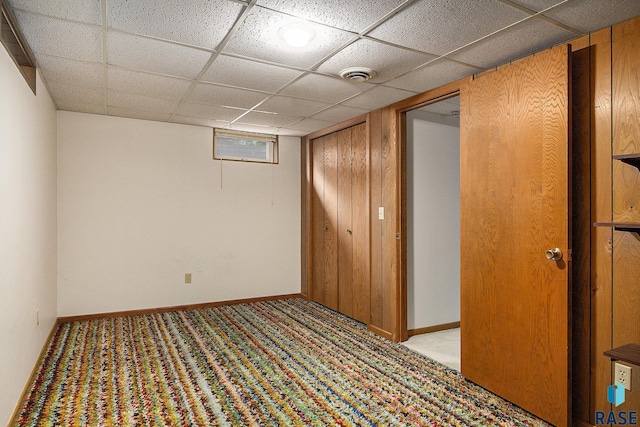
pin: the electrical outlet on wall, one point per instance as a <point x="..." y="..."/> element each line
<point x="622" y="375"/>
<point x="37" y="317"/>
<point x="187" y="277"/>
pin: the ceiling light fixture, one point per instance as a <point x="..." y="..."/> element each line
<point x="357" y="74"/>
<point x="297" y="34"/>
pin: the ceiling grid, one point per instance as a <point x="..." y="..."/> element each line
<point x="220" y="63"/>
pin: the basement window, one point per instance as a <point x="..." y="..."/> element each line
<point x="17" y="48"/>
<point x="245" y="146"/>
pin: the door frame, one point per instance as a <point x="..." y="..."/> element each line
<point x="399" y="118"/>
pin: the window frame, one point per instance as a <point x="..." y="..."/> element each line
<point x="16" y="46"/>
<point x="271" y="141"/>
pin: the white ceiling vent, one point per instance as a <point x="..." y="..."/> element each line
<point x="357" y="74"/>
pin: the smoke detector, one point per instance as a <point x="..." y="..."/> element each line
<point x="357" y="74"/>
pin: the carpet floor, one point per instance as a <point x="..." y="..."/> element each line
<point x="277" y="363"/>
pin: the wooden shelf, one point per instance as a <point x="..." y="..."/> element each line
<point x="633" y="227"/>
<point x="630" y="159"/>
<point x="629" y="353"/>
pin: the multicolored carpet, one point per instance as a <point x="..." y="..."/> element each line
<point x="278" y="363"/>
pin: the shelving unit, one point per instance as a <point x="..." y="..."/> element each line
<point x="629" y="353"/>
<point x="630" y="159"/>
<point x="633" y="227"/>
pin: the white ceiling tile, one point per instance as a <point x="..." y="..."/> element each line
<point x="71" y="40"/>
<point x="198" y="121"/>
<point x="249" y="74"/>
<point x="438" y="27"/>
<point x="76" y="10"/>
<point x="387" y="61"/>
<point x="592" y="15"/>
<point x="536" y="5"/>
<point x="287" y="104"/>
<point x="324" y="88"/>
<point x="378" y="97"/>
<point x="141" y="83"/>
<point x="212" y="112"/>
<point x="87" y="74"/>
<point x="428" y="116"/>
<point x="206" y="93"/>
<point x="245" y="127"/>
<point x="446" y="107"/>
<point x="265" y="119"/>
<point x="138" y="114"/>
<point x="81" y="108"/>
<point x="336" y="13"/>
<point x="433" y="75"/>
<point x="132" y="101"/>
<point x="195" y="22"/>
<point x="516" y="42"/>
<point x="339" y="113"/>
<point x="291" y="132"/>
<point x="69" y="92"/>
<point x="258" y="38"/>
<point x="155" y="56"/>
<point x="310" y="125"/>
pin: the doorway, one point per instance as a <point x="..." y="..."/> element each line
<point x="432" y="138"/>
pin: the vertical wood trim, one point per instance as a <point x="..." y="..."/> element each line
<point x="580" y="162"/>
<point x="361" y="223"/>
<point x="317" y="254"/>
<point x="306" y="217"/>
<point x="345" y="239"/>
<point x="331" y="221"/>
<point x="375" y="168"/>
<point x="601" y="205"/>
<point x="388" y="193"/>
<point x="401" y="194"/>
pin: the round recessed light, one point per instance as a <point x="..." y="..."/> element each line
<point x="357" y="74"/>
<point x="297" y="34"/>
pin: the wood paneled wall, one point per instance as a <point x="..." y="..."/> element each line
<point x="602" y="237"/>
<point x="626" y="191"/>
<point x="615" y="196"/>
<point x="385" y="293"/>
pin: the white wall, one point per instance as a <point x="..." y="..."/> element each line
<point x="27" y="228"/>
<point x="142" y="203"/>
<point x="433" y="220"/>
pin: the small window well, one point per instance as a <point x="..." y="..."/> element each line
<point x="13" y="41"/>
<point x="245" y="146"/>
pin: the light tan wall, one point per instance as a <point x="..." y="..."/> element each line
<point x="27" y="228"/>
<point x="142" y="203"/>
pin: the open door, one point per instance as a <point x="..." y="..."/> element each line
<point x="515" y="233"/>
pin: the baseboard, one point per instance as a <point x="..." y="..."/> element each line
<point x="435" y="328"/>
<point x="381" y="332"/>
<point x="174" y="308"/>
<point x="25" y="391"/>
<point x="580" y="423"/>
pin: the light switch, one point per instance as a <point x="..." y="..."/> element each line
<point x="381" y="212"/>
<point x="187" y="277"/>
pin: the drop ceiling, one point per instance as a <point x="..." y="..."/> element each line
<point x="220" y="63"/>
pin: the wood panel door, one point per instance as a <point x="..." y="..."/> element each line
<point x="325" y="220"/>
<point x="341" y="277"/>
<point x="354" y="281"/>
<point x="515" y="324"/>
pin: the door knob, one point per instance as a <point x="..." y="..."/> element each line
<point x="554" y="254"/>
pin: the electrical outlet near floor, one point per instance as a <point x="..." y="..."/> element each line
<point x="187" y="277"/>
<point x="622" y="375"/>
<point x="37" y="317"/>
